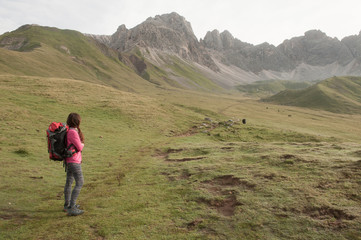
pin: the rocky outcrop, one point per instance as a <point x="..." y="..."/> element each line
<point x="169" y="33"/>
<point x="354" y="45"/>
<point x="316" y="48"/>
<point x="13" y="43"/>
<point x="244" y="55"/>
<point x="222" y="41"/>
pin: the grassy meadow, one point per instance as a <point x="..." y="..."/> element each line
<point x="336" y="94"/>
<point x="177" y="164"/>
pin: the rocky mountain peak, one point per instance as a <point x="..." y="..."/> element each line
<point x="122" y="28"/>
<point x="161" y="32"/>
<point x="317" y="49"/>
<point x="213" y="40"/>
<point x="169" y="33"/>
<point x="354" y="44"/>
<point x="173" y="21"/>
<point x="227" y="39"/>
<point x="218" y="41"/>
<point x="315" y="35"/>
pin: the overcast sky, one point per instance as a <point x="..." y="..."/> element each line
<point x="252" y="21"/>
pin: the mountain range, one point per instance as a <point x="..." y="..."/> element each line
<point x="165" y="52"/>
<point x="229" y="61"/>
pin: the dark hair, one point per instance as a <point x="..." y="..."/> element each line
<point x="73" y="121"/>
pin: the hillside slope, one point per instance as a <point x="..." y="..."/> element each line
<point x="337" y="94"/>
<point x="50" y="52"/>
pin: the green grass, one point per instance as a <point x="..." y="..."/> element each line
<point x="156" y="169"/>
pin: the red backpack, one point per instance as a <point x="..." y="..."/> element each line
<point x="57" y="142"/>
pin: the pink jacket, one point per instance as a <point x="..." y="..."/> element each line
<point x="73" y="138"/>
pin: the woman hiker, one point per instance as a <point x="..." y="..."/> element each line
<point x="75" y="141"/>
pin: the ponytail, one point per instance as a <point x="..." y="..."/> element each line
<point x="81" y="135"/>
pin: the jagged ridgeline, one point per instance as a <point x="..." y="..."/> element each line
<point x="165" y="52"/>
<point x="336" y="94"/>
<point x="228" y="61"/>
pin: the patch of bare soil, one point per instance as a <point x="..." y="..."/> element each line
<point x="170" y="178"/>
<point x="290" y="158"/>
<point x="357" y="153"/>
<point x="270" y="176"/>
<point x="285" y="212"/>
<point x="35" y="177"/>
<point x="325" y="185"/>
<point x="287" y="156"/>
<point x="96" y="232"/>
<point x="172" y="150"/>
<point x="219" y="186"/>
<point x="227" y="148"/>
<point x="226" y="207"/>
<point x="119" y="177"/>
<point x="59" y="195"/>
<point x="187" y="133"/>
<point x="10" y="214"/>
<point x="227" y="181"/>
<point x="186" y="159"/>
<point x="160" y="154"/>
<point x="326" y="212"/>
<point x="354" y="197"/>
<point x="327" y="217"/>
<point x="165" y="155"/>
<point x="185" y="175"/>
<point x="356" y="165"/>
<point x="193" y="224"/>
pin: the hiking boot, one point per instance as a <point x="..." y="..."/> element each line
<point x="67" y="207"/>
<point x="74" y="211"/>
